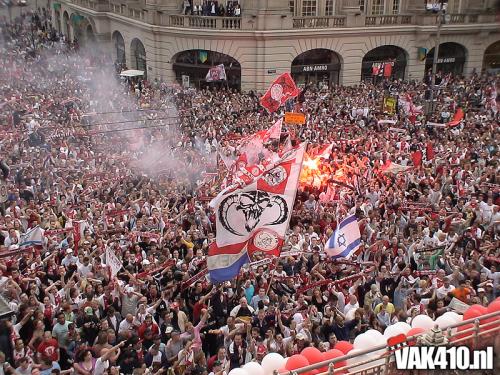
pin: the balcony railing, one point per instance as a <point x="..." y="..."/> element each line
<point x="202" y="22"/>
<point x="318" y="22"/>
<point x="388" y="20"/>
<point x="85" y="3"/>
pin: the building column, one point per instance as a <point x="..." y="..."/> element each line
<point x="475" y="53"/>
<point x="350" y="73"/>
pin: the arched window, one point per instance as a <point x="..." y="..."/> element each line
<point x="195" y="64"/>
<point x="491" y="59"/>
<point x="138" y="54"/>
<point x="451" y="58"/>
<point x="318" y="67"/>
<point x="376" y="59"/>
<point x="119" y="44"/>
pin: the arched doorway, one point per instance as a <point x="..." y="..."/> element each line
<point x="318" y="67"/>
<point x="67" y="26"/>
<point x="138" y="54"/>
<point x="375" y="61"/>
<point x="491" y="60"/>
<point x="90" y="33"/>
<point x="451" y="59"/>
<point x="76" y="21"/>
<point x="57" y="15"/>
<point x="119" y="44"/>
<point x="195" y="64"/>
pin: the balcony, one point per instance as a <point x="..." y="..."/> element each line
<point x="351" y="17"/>
<point x="96" y="5"/>
<point x="388" y="20"/>
<point x="206" y="22"/>
<point x="318" y="22"/>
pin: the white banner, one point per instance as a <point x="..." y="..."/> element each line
<point x="113" y="262"/>
<point x="292" y="253"/>
<point x="216" y="73"/>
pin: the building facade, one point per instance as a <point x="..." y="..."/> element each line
<point x="318" y="41"/>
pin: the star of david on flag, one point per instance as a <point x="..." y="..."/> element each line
<point x="345" y="240"/>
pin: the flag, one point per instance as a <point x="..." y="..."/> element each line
<point x="252" y="220"/>
<point x="345" y="240"/>
<point x="376" y="69"/>
<point x="282" y="89"/>
<point x="387" y="69"/>
<point x="79" y="227"/>
<point x="457" y="118"/>
<point x="416" y="157"/>
<point x="203" y="56"/>
<point x="429" y="151"/>
<point x="33" y="237"/>
<point x="216" y="73"/>
<point x="253" y="149"/>
<point x="324" y="152"/>
<point x="390" y="167"/>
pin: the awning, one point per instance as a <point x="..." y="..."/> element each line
<point x="132" y="73"/>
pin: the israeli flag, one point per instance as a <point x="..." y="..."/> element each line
<point x="345" y="240"/>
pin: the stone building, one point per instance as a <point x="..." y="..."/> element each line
<point x="318" y="41"/>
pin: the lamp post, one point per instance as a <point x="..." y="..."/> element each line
<point x="440" y="16"/>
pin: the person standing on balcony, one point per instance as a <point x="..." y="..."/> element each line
<point x="237" y="10"/>
<point x="187" y="7"/>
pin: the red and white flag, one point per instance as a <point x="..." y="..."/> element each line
<point x="457" y="118"/>
<point x="282" y="89"/>
<point x="79" y="227"/>
<point x="394" y="168"/>
<point x="253" y="220"/>
<point x="216" y="73"/>
<point x="253" y="146"/>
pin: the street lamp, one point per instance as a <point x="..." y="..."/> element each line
<point x="440" y="16"/>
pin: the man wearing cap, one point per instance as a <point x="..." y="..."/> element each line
<point x="218" y="368"/>
<point x="69" y="259"/>
<point x="130" y="299"/>
<point x="174" y="346"/>
<point x="220" y="357"/>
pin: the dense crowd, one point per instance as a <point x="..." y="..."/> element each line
<point x="134" y="163"/>
<point x="211" y="8"/>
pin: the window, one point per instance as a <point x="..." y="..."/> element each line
<point x="377" y="7"/>
<point x="292" y="6"/>
<point x="308" y="8"/>
<point x="329" y="7"/>
<point x="395" y="6"/>
<point x="362" y="5"/>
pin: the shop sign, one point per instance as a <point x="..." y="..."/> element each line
<point x="446" y="60"/>
<point x="379" y="63"/>
<point x="315" y="68"/>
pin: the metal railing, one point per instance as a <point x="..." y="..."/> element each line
<point x="379" y="363"/>
<point x="386" y="20"/>
<point x="318" y="22"/>
<point x="206" y="22"/>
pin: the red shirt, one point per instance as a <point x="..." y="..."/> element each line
<point x="48" y="348"/>
<point x="197" y="311"/>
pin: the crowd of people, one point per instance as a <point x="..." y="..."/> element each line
<point x="114" y="170"/>
<point x="211" y="8"/>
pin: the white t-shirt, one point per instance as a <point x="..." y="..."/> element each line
<point x="100" y="366"/>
